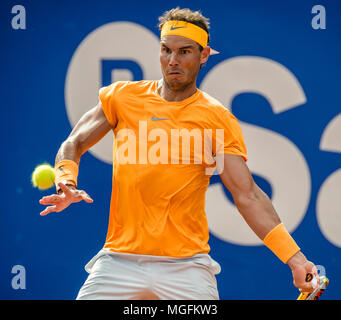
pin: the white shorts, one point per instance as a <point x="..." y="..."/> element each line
<point x="120" y="276"/>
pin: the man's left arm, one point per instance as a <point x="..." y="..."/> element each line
<point x="258" y="212"/>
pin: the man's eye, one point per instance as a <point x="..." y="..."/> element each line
<point x="184" y="51"/>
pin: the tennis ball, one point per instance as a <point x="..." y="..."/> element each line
<point x="43" y="176"/>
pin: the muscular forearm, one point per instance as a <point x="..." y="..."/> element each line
<point x="258" y="211"/>
<point x="69" y="150"/>
<point x="89" y="130"/>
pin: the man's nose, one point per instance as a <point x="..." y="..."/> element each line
<point x="173" y="59"/>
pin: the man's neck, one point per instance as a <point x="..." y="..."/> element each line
<point x="169" y="94"/>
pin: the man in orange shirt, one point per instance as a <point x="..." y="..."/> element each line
<point x="168" y="137"/>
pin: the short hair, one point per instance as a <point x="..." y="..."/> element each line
<point x="186" y="15"/>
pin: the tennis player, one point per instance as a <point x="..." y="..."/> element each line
<point x="157" y="240"/>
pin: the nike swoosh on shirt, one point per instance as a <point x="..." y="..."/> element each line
<point x="158" y="119"/>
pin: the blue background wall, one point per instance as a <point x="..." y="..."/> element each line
<point x="34" y="122"/>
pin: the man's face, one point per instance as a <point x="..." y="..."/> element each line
<point x="180" y="61"/>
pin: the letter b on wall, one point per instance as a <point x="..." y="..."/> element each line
<point x="109" y="54"/>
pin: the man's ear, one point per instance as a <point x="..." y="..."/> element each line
<point x="205" y="53"/>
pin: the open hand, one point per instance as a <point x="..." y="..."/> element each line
<point x="57" y="203"/>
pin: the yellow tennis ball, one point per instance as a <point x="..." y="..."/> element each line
<point x="43" y="176"/>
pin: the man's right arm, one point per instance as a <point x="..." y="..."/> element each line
<point x="91" y="128"/>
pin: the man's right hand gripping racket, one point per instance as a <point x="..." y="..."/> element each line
<point x="316" y="294"/>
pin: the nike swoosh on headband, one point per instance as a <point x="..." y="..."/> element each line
<point x="174" y="28"/>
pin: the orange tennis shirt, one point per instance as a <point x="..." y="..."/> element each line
<point x="161" y="154"/>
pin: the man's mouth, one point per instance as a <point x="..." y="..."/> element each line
<point x="174" y="72"/>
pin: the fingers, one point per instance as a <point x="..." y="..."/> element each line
<point x="76" y="194"/>
<point x="316" y="278"/>
<point x="313" y="278"/>
<point x="48" y="210"/>
<point x="308" y="280"/>
<point x="86" y="197"/>
<point x="65" y="189"/>
<point x="52" y="199"/>
<point x="88" y="200"/>
<point x="57" y="203"/>
<point x="305" y="287"/>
